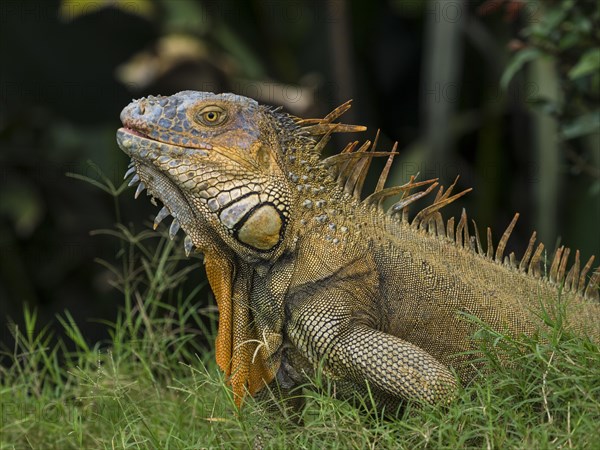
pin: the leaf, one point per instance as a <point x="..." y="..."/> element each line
<point x="551" y="20"/>
<point x="72" y="9"/>
<point x="516" y="63"/>
<point x="569" y="40"/>
<point x="588" y="64"/>
<point x="582" y="125"/>
<point x="546" y="106"/>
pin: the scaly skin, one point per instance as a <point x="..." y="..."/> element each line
<point x="305" y="273"/>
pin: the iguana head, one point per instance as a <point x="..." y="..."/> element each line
<point x="214" y="161"/>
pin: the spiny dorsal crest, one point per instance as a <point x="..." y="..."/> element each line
<point x="350" y="168"/>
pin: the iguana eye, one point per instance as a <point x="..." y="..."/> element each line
<point x="211" y="116"/>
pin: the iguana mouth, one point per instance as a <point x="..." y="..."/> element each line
<point x="135" y="132"/>
<point x="157" y="183"/>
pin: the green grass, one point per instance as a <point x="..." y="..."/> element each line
<point x="155" y="385"/>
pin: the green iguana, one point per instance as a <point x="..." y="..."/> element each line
<point x="306" y="273"/>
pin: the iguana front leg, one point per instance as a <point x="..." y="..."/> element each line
<point x="329" y="326"/>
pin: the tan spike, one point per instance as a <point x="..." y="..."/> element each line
<point x="441" y="231"/>
<point x="534" y="264"/>
<point x="451" y="187"/>
<point x="444" y="201"/>
<point x="572" y="276"/>
<point x="555" y="264"/>
<point x="441" y="195"/>
<point x="459" y="230"/>
<point x="360" y="181"/>
<point x="504" y="238"/>
<point x="346" y="163"/>
<point x="404" y="214"/>
<point x="338" y="111"/>
<point x="591" y="291"/>
<point x="353" y="172"/>
<point x="477" y="238"/>
<point x="467" y="237"/>
<point x="438" y="196"/>
<point x="458" y="238"/>
<point x="563" y="265"/>
<point x="355" y="178"/>
<point x="450" y="229"/>
<point x="333" y="115"/>
<point x="473" y="243"/>
<point x="379" y="197"/>
<point x="358" y="187"/>
<point x="376" y="140"/>
<point x="431" y="226"/>
<point x="512" y="259"/>
<point x="490" y="244"/>
<point x="528" y="252"/>
<point x="323" y="128"/>
<point x="339" y="160"/>
<point x="320" y="146"/>
<point x="386" y="169"/>
<point x="304" y="122"/>
<point x="403" y="203"/>
<point x="349" y="154"/>
<point x="349" y="148"/>
<point x="584" y="271"/>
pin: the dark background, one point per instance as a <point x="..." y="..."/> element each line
<point x="426" y="73"/>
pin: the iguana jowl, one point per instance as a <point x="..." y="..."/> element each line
<point x="305" y="272"/>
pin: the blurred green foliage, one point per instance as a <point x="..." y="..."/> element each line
<point x="568" y="33"/>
